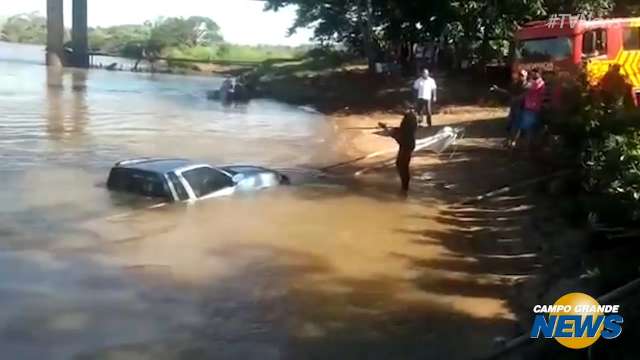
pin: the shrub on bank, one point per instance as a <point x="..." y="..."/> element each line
<point x="600" y="136"/>
<point x="231" y="52"/>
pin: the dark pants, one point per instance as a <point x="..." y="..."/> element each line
<point x="514" y="117"/>
<point x="403" y="160"/>
<point x="424" y="109"/>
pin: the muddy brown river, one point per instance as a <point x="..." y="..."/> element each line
<point x="314" y="271"/>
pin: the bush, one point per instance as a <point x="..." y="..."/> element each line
<point x="600" y="137"/>
<point x="182" y="65"/>
<point x="611" y="166"/>
<point x="327" y="55"/>
<point x="601" y="133"/>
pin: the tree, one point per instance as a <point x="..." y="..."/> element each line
<point x="589" y="8"/>
<point x="26" y="28"/>
<point x="350" y="22"/>
<point x="479" y="29"/>
<point x="626" y="8"/>
<point x="114" y="38"/>
<point x="223" y="51"/>
<point x="204" y="31"/>
<point x="190" y="32"/>
<point x="3" y="20"/>
<point x="163" y="33"/>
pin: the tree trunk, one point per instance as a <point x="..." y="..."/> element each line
<point x="367" y="34"/>
<point x="485" y="46"/>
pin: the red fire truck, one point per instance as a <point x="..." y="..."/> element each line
<point x="561" y="48"/>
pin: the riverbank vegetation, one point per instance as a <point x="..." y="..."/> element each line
<point x="596" y="141"/>
<point x="195" y="38"/>
<point x="24" y="28"/>
<point x="599" y="137"/>
<point x="466" y="41"/>
<point x="460" y="33"/>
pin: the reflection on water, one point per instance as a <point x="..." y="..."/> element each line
<point x="55" y="117"/>
<point x="61" y="120"/>
<point x="80" y="109"/>
<point x="311" y="271"/>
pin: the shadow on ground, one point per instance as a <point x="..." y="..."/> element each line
<point x="514" y="247"/>
<point x="493" y="261"/>
<point x="289" y="305"/>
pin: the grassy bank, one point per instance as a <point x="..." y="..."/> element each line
<point x="536" y="240"/>
<point x="220" y="59"/>
<point x="234" y="53"/>
<point x="336" y="84"/>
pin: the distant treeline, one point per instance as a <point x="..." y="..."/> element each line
<point x="471" y="30"/>
<point x="195" y="38"/>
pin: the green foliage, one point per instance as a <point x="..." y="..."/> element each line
<point x="114" y="39"/>
<point x="193" y="38"/>
<point x="475" y="28"/>
<point x="133" y="49"/>
<point x="25" y="28"/>
<point x="204" y="31"/>
<point x="327" y="56"/>
<point x="611" y="166"/>
<point x="591" y="8"/>
<point x="612" y="169"/>
<point x="232" y="52"/>
<point x="602" y="131"/>
<point x="151" y="39"/>
<point x="626" y="8"/>
<point x="223" y="51"/>
<point x="192" y="53"/>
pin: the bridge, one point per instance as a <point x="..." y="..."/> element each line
<point x="79" y="35"/>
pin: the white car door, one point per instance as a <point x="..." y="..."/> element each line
<point x="204" y="182"/>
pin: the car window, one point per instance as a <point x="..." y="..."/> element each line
<point x="632" y="38"/>
<point x="138" y="182"/>
<point x="205" y="180"/>
<point x="179" y="188"/>
<point x="594" y="42"/>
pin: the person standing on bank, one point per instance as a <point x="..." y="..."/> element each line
<point x="425" y="87"/>
<point x="516" y="92"/>
<point x="405" y="136"/>
<point x="531" y="108"/>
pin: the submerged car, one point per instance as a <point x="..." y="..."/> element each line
<point x="181" y="180"/>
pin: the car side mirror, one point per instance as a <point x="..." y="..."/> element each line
<point x="237" y="178"/>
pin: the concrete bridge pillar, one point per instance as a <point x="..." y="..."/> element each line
<point x="55" y="33"/>
<point x="79" y="34"/>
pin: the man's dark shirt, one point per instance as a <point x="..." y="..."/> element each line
<point x="405" y="135"/>
<point x="516" y="92"/>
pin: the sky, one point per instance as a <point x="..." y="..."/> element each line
<point x="241" y="21"/>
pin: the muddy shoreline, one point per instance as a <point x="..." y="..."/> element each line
<point x="516" y="247"/>
<point x="515" y="250"/>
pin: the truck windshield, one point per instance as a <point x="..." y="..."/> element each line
<point x="550" y="49"/>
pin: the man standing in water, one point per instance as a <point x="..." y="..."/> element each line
<point x="405" y="136"/>
<point x="425" y="86"/>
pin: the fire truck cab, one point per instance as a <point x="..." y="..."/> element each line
<point x="565" y="47"/>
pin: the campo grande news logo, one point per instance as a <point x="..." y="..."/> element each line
<point x="577" y="321"/>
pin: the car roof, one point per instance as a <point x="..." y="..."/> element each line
<point x="156" y="165"/>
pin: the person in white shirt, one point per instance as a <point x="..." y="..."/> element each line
<point x="425" y="87"/>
